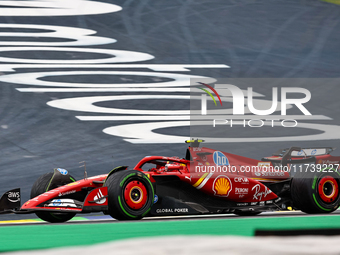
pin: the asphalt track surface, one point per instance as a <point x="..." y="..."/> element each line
<point x="257" y="39"/>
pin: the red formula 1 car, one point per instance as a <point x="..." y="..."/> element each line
<point x="205" y="181"/>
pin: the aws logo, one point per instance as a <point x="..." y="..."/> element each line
<point x="222" y="186"/>
<point x="13" y="196"/>
<point x="220" y="159"/>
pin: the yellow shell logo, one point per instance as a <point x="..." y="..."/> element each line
<point x="222" y="186"/>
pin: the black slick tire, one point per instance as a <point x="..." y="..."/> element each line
<point x="316" y="192"/>
<point x="41" y="185"/>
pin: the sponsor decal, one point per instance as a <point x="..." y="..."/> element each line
<point x="242" y="191"/>
<point x="273" y="173"/>
<point x="101" y="197"/>
<point x="55" y="202"/>
<point x="155" y="200"/>
<point x="258" y="194"/>
<point x="313" y="152"/>
<point x="241" y="204"/>
<point x="172" y="210"/>
<point x="13" y="197"/>
<point x="187" y="177"/>
<point x="253" y="203"/>
<point x="263" y="164"/>
<point x="222" y="186"/>
<point x="269" y="174"/>
<point x="243" y="180"/>
<point x="66" y="193"/>
<point x="220" y="159"/>
<point x="62" y="203"/>
<point x="196" y="149"/>
<point x="62" y="171"/>
<point x="327" y="161"/>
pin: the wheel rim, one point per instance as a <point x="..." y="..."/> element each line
<point x="135" y="195"/>
<point x="328" y="189"/>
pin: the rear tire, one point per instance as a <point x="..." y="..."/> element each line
<point x="316" y="192"/>
<point x="130" y="195"/>
<point x="41" y="185"/>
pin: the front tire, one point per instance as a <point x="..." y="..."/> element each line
<point x="316" y="192"/>
<point x="130" y="195"/>
<point x="42" y="185"/>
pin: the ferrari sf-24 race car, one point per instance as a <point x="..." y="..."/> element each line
<point x="205" y="181"/>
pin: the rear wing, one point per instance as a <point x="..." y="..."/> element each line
<point x="306" y="152"/>
<point x="10" y="201"/>
<point x="286" y="156"/>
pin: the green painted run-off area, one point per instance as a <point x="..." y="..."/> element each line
<point x="14" y="238"/>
